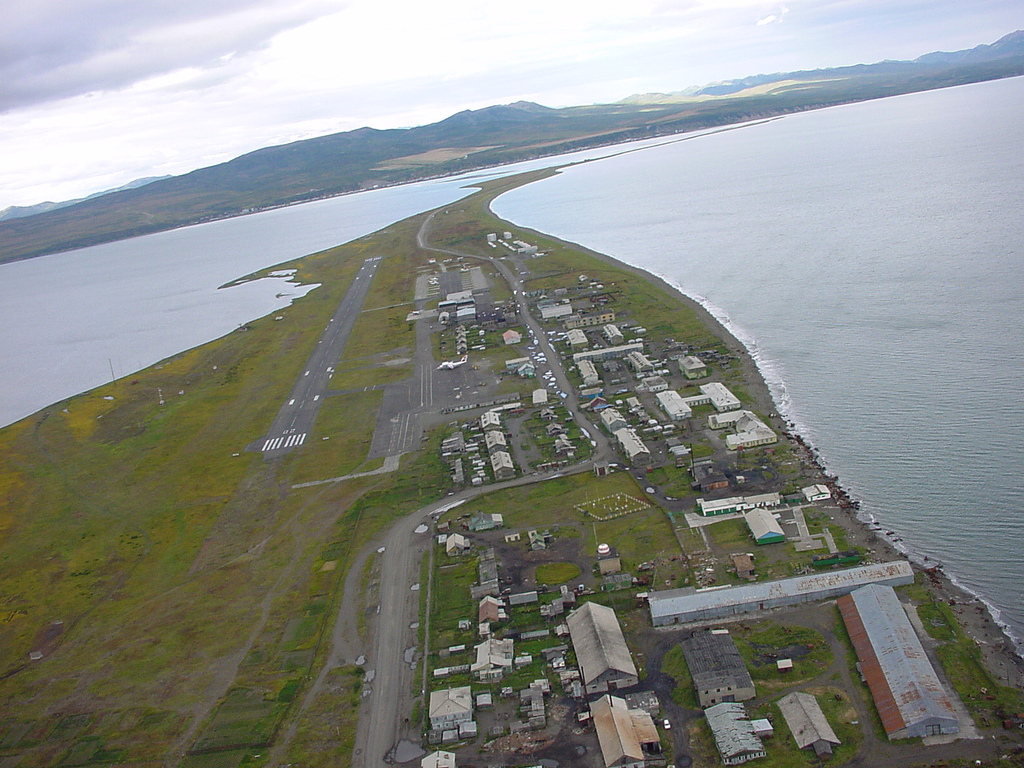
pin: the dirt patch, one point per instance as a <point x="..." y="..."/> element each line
<point x="432" y="157"/>
<point x="767" y="654"/>
<point x="47" y="639"/>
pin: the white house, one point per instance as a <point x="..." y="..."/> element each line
<point x="450" y="707"/>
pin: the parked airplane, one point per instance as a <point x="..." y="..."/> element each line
<point x="449" y="364"/>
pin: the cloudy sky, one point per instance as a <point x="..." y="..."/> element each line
<point x="95" y="93"/>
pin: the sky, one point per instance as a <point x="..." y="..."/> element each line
<point x="96" y="93"/>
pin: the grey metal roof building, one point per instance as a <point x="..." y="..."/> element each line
<point x="601" y="649"/>
<point x="680" y="606"/>
<point x="718" y="671"/>
<point x="908" y="695"/>
<point x="807" y="723"/>
<point x="734" y="733"/>
<point x="607" y="353"/>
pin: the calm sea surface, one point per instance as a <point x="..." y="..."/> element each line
<point x="872" y="258"/>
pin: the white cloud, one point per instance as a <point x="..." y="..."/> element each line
<point x="94" y="93"/>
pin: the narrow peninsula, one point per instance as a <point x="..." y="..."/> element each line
<point x="483" y="497"/>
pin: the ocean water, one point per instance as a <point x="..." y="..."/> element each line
<point x="871" y="257"/>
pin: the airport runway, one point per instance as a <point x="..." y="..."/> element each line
<point x="295" y="420"/>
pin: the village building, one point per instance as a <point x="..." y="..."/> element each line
<point x="521" y="366"/>
<point x="720" y="397"/>
<point x="481" y="521"/>
<point x="816" y="493"/>
<point x="588" y="372"/>
<point x="589" y="319"/>
<point x="692" y="367"/>
<point x="672" y="403"/>
<point x="487" y="575"/>
<point x="495" y="440"/>
<point x="750" y="431"/>
<point x="502" y="465"/>
<point x="626" y="736"/>
<point x="734" y="733"/>
<point x="540" y="397"/>
<point x="450" y="707"/>
<point x="554" y="428"/>
<point x="637" y="452"/>
<point x="601" y="649"/>
<point x="612" y="420"/>
<point x="716" y="668"/>
<point x="512" y="337"/>
<point x="678" y="450"/>
<point x="439" y="759"/>
<point x="744" y="565"/>
<point x="554" y="311"/>
<point x="807" y="723"/>
<point x="908" y="695"/>
<point x="493" y="658"/>
<point x="680" y="606"/>
<point x="654" y="384"/>
<point x="764" y="527"/>
<point x="612" y="334"/>
<point x="608" y="560"/>
<point x="577" y="339"/>
<point x="707" y="477"/>
<point x="489" y="609"/>
<point x="607" y="353"/>
<point x="639" y="362"/>
<point x="713" y="507"/>
<point x="456" y="544"/>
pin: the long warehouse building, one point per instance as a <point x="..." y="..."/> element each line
<point x="681" y="606"/>
<point x="908" y="695"/>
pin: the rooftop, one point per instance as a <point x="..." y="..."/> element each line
<point x="670" y="602"/>
<point x="599" y="643"/>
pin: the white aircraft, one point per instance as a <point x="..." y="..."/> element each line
<point x="450" y="364"/>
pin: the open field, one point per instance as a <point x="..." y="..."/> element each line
<point x="135" y="532"/>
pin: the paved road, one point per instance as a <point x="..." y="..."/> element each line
<point x="295" y="420"/>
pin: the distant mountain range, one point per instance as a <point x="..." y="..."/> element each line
<point x="1007" y="46"/>
<point x="21" y="211"/>
<point x="366" y="158"/>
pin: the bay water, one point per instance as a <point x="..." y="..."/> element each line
<point x="871" y="257"/>
<point x="75" y="320"/>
